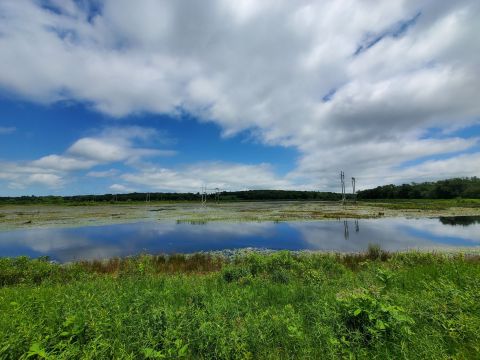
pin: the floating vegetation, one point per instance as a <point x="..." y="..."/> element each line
<point x="192" y="222"/>
<point x="15" y="216"/>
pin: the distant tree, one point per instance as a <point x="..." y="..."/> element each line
<point x="443" y="189"/>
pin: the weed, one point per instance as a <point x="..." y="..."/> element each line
<point x="368" y="317"/>
<point x="234" y="273"/>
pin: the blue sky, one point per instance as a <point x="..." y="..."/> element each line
<point x="100" y="96"/>
<point x="39" y="131"/>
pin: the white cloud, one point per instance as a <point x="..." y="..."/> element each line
<point x="19" y="176"/>
<point x="264" y="66"/>
<point x="461" y="165"/>
<point x="119" y="188"/>
<point x="50" y="180"/>
<point x="110" y="145"/>
<point x="224" y="176"/>
<point x="103" y="150"/>
<point x="63" y="163"/>
<point x="103" y="174"/>
<point x="5" y="130"/>
<point x="116" y="144"/>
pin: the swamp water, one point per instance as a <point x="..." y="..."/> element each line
<point x="97" y="242"/>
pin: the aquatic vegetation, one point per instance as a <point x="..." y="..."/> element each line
<point x="253" y="306"/>
<point x="63" y="215"/>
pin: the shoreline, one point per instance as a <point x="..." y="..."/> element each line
<point x="231" y="255"/>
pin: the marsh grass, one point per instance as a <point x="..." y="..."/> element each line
<point x="155" y="264"/>
<point x="256" y="306"/>
<point x="423" y="204"/>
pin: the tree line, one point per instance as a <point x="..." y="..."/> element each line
<point x="444" y="189"/>
<point x="250" y="195"/>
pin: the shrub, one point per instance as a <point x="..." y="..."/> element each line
<point x="280" y="276"/>
<point x="367" y="317"/>
<point x="234" y="273"/>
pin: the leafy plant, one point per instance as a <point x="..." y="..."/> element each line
<point x="384" y="275"/>
<point x="231" y="274"/>
<point x="177" y="352"/>
<point x="37" y="351"/>
<point x="368" y="317"/>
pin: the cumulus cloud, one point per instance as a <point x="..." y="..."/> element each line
<point x="110" y="145"/>
<point x="103" y="174"/>
<point x="119" y="188"/>
<point x="63" y="163"/>
<point x="116" y="144"/>
<point x="352" y="85"/>
<point x="461" y="165"/>
<point x="225" y="176"/>
<point x="20" y="176"/>
<point x="50" y="180"/>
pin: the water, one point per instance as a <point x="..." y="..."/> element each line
<point x="94" y="242"/>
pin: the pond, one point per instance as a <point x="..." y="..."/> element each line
<point x="97" y="242"/>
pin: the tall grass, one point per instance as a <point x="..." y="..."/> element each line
<point x="256" y="306"/>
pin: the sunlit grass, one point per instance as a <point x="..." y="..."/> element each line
<point x="314" y="306"/>
<point x="423" y="204"/>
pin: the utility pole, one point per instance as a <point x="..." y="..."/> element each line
<point x="353" y="187"/>
<point x="214" y="192"/>
<point x="346" y="234"/>
<point x="204" y="195"/>
<point x="342" y="180"/>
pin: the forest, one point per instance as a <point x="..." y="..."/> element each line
<point x="468" y="188"/>
<point x="249" y="195"/>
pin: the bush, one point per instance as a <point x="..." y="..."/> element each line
<point x="234" y="273"/>
<point x="280" y="276"/>
<point x="368" y="317"/>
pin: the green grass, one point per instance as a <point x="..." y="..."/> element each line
<point x="319" y="306"/>
<point x="422" y="204"/>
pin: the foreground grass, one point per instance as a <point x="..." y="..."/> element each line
<point x="373" y="305"/>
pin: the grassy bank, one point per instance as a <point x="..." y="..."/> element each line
<point x="423" y="204"/>
<point x="373" y="305"/>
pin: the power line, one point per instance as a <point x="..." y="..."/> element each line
<point x="204" y="194"/>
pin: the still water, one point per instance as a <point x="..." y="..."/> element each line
<point x="94" y="242"/>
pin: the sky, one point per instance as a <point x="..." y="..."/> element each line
<point x="113" y="96"/>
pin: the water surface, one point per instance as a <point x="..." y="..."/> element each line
<point x="67" y="244"/>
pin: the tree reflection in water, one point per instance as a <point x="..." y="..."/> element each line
<point x="459" y="220"/>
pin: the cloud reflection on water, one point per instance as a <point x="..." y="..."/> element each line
<point x="169" y="237"/>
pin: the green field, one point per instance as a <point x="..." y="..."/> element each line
<point x="282" y="305"/>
